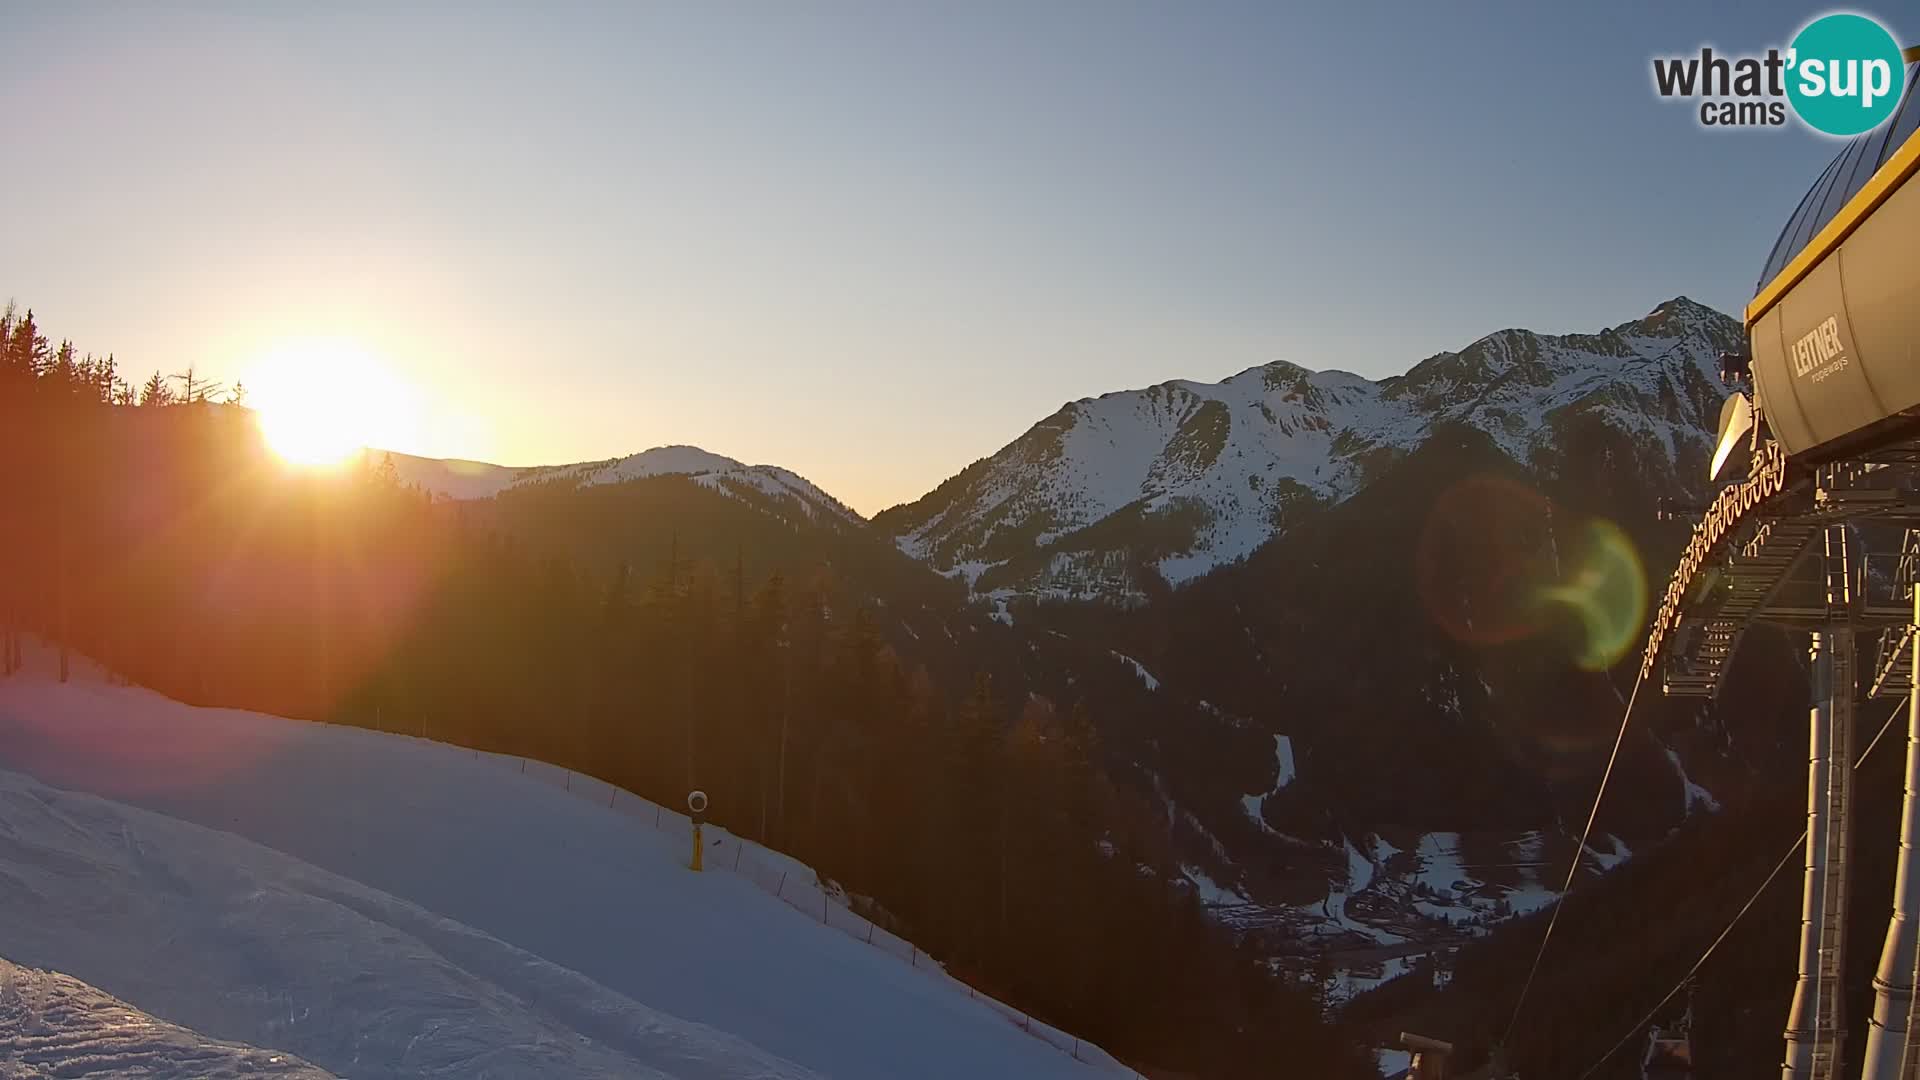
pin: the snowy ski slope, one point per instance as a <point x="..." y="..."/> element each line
<point x="454" y="913"/>
<point x="234" y="939"/>
<point x="54" y="1024"/>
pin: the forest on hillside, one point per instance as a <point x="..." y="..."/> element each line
<point x="151" y="529"/>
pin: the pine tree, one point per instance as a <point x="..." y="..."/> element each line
<point x="27" y="351"/>
<point x="107" y="381"/>
<point x="16" y="379"/>
<point x="156" y="391"/>
<point x="63" y="372"/>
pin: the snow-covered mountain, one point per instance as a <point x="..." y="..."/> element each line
<point x="762" y="484"/>
<point x="1110" y="493"/>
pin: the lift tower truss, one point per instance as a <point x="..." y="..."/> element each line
<point x="1830" y="552"/>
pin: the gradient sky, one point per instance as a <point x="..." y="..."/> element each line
<point x="870" y="242"/>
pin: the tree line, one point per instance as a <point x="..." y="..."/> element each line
<point x="152" y="531"/>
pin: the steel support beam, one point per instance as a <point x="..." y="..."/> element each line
<point x="1887" y="1032"/>
<point x="1816" y="1023"/>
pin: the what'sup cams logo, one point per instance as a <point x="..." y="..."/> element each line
<point x="1842" y="75"/>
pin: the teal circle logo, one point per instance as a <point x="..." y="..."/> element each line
<point x="1844" y="74"/>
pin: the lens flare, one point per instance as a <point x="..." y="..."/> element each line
<point x="1605" y="592"/>
<point x="1486" y="548"/>
<point x="1498" y="563"/>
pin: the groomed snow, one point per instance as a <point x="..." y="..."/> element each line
<point x="242" y="942"/>
<point x="475" y="911"/>
<point x="55" y="1025"/>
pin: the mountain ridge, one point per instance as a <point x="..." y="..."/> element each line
<point x="461" y="479"/>
<point x="1116" y="496"/>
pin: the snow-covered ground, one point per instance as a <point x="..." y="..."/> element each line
<point x="385" y="906"/>
<point x="1360" y="873"/>
<point x="55" y="1025"/>
<point x="234" y="939"/>
<point x="1416" y="895"/>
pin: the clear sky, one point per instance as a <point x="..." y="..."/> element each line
<point x="867" y="241"/>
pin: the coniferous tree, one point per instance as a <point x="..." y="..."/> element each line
<point x="28" y="351"/>
<point x="156" y="391"/>
<point x="62" y="374"/>
<point x="999" y="848"/>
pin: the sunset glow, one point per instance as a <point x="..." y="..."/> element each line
<point x="320" y="402"/>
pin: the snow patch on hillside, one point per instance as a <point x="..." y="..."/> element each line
<point x="1139" y="670"/>
<point x="1211" y="893"/>
<point x="1383" y="850"/>
<point x="1608" y="860"/>
<point x="1251" y="805"/>
<point x="1284" y="774"/>
<point x="968" y="572"/>
<point x="1359" y="869"/>
<point x="1694" y="794"/>
<point x="1443" y="869"/>
<point x="478" y="480"/>
<point x="450" y="477"/>
<point x="1530" y="847"/>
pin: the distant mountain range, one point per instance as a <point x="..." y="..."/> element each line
<point x="767" y="485"/>
<point x="1223" y="573"/>
<point x="1114" y="495"/>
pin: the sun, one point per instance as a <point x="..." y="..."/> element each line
<point x="319" y="403"/>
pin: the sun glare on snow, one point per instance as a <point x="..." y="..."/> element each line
<point x="321" y="402"/>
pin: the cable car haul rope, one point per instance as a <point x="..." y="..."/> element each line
<point x="1834" y="427"/>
